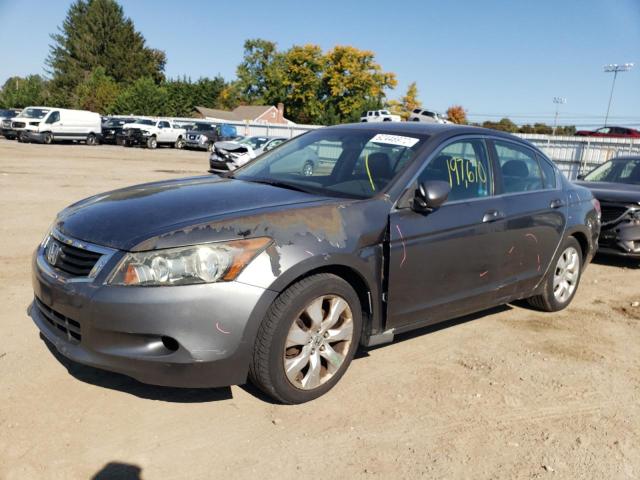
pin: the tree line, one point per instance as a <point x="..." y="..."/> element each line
<point x="98" y="61"/>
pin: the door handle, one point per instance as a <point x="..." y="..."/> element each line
<point x="492" y="216"/>
<point x="556" y="203"/>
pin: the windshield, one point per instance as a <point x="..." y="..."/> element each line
<point x="336" y="161"/>
<point x="34" y="113"/>
<point x="7" y="113"/>
<point x="254" y="142"/>
<point x="144" y="121"/>
<point x="617" y="171"/>
<point x="202" y="127"/>
<point x="118" y="122"/>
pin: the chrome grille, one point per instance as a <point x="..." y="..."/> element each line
<point x="611" y="212"/>
<point x="18" y="124"/>
<point x="72" y="260"/>
<point x="65" y="326"/>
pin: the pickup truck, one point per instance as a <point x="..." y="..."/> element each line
<point x="151" y="133"/>
<point x="379" y="116"/>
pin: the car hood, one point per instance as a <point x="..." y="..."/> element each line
<point x="613" y="192"/>
<point x="169" y="213"/>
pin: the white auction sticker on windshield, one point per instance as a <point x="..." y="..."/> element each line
<point x="399" y="140"/>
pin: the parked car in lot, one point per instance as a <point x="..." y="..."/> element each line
<point x="616" y="184"/>
<point x="5" y="123"/>
<point x="29" y="114"/>
<point x="60" y="124"/>
<point x="379" y="116"/>
<point x="205" y="281"/>
<point x="229" y="155"/>
<point x="612" y="132"/>
<point x="202" y="136"/>
<point x="151" y="133"/>
<point x="420" y="115"/>
<point x="113" y="127"/>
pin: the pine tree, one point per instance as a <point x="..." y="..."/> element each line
<point x="94" y="34"/>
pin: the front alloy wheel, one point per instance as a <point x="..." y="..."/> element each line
<point x="318" y="342"/>
<point x="307" y="339"/>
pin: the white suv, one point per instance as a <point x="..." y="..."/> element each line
<point x="379" y="116"/>
<point x="420" y="115"/>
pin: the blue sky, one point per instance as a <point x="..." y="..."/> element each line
<point x="494" y="57"/>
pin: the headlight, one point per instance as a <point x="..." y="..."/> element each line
<point x="146" y="132"/>
<point x="35" y="124"/>
<point x="206" y="263"/>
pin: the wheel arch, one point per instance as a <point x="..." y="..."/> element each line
<point x="354" y="278"/>
<point x="584" y="244"/>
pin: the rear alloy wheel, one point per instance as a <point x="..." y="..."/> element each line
<point x="152" y="143"/>
<point x="561" y="283"/>
<point x="91" y="139"/>
<point x="307" y="169"/>
<point x="48" y="138"/>
<point x="307" y="339"/>
<point x="179" y="144"/>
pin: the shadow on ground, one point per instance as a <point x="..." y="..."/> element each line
<point x="122" y="383"/>
<point x="619" y="262"/>
<point x="118" y="471"/>
<point x="363" y="352"/>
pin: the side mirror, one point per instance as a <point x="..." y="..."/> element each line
<point x="430" y="195"/>
<point x="580" y="177"/>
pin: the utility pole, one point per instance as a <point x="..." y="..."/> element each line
<point x="615" y="68"/>
<point x="558" y="101"/>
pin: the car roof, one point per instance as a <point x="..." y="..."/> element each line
<point x="420" y="128"/>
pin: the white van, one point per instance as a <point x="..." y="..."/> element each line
<point x="62" y="124"/>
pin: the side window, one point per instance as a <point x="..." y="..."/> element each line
<point x="377" y="114"/>
<point x="548" y="173"/>
<point x="164" y="125"/>
<point x="465" y="166"/>
<point x="520" y="169"/>
<point x="53" y="118"/>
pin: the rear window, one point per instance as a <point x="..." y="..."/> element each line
<point x="520" y="169"/>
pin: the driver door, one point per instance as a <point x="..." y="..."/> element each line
<point x="445" y="263"/>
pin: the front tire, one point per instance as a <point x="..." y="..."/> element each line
<point x="48" y="138"/>
<point x="307" y="339"/>
<point x="152" y="143"/>
<point x="561" y="283"/>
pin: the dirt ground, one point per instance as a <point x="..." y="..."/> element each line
<point x="510" y="393"/>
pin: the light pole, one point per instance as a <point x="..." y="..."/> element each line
<point x="558" y="101"/>
<point x="615" y="68"/>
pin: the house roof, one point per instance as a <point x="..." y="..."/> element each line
<point x="239" y="114"/>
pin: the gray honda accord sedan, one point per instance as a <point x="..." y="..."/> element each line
<point x="270" y="275"/>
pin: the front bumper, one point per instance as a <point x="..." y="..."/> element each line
<point x="195" y="145"/>
<point x="31" y="136"/>
<point x="622" y="239"/>
<point x="121" y="329"/>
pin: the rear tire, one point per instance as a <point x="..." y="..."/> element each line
<point x="91" y="140"/>
<point x="561" y="283"/>
<point x="179" y="143"/>
<point x="316" y="349"/>
<point x="210" y="147"/>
